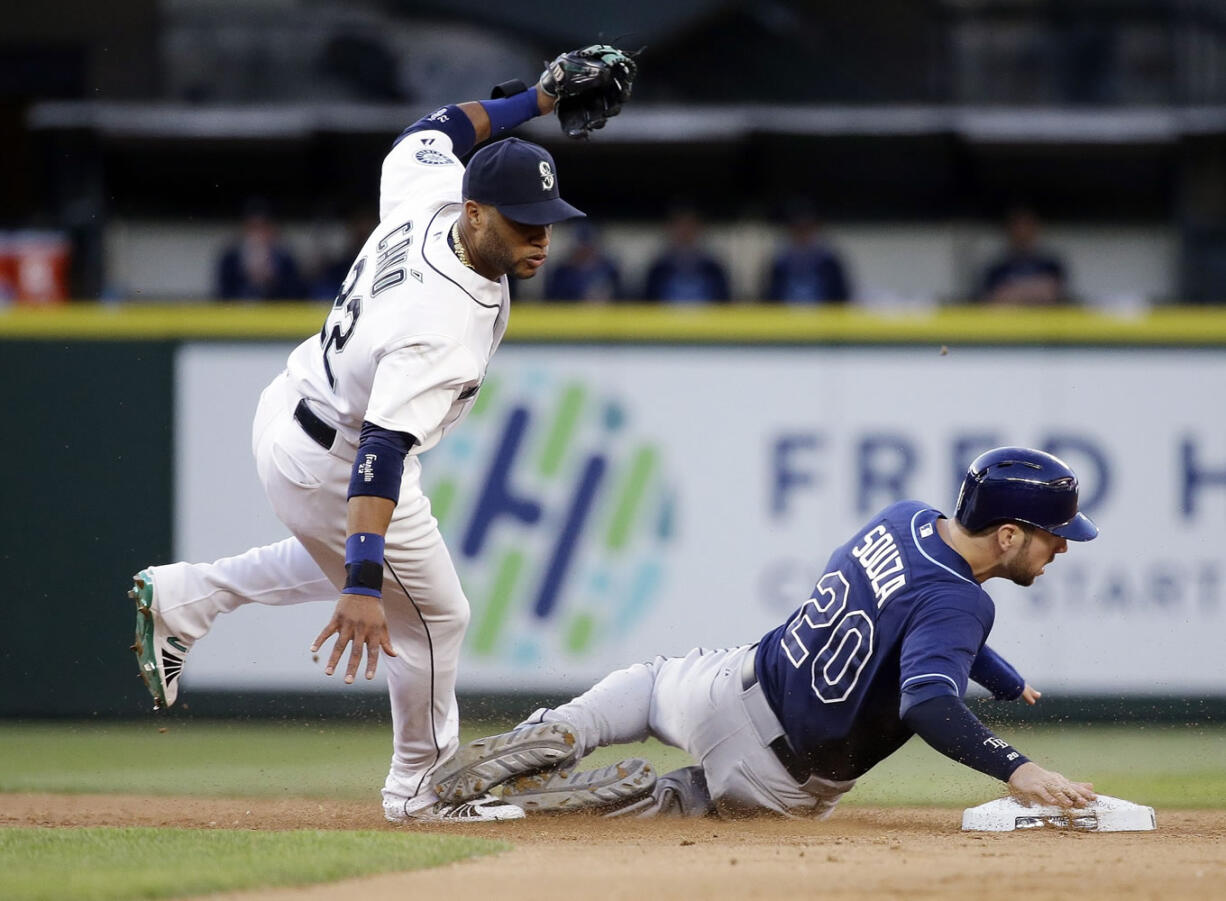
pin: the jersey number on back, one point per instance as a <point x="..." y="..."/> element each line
<point x="848" y="638"/>
<point x="342" y="319"/>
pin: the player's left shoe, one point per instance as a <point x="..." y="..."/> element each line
<point x="158" y="652"/>
<point x="565" y="791"/>
<point x="482" y="809"/>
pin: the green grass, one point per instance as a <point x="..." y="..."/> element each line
<point x="194" y="757"/>
<point x="1165" y="766"/>
<point x="98" y="864"/>
<point x="1162" y="766"/>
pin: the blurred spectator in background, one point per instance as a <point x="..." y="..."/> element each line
<point x="331" y="270"/>
<point x="258" y="266"/>
<point x="685" y="273"/>
<point x="806" y="270"/>
<point x="586" y="272"/>
<point x="1025" y="275"/>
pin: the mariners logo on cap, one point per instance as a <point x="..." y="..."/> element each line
<point x="547" y="178"/>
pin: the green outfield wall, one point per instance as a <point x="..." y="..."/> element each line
<point x="89" y="401"/>
<point x="87" y="465"/>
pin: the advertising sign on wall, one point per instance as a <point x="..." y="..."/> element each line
<point x="606" y="504"/>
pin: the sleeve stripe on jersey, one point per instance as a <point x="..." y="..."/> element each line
<point x="927" y="676"/>
<point x="920" y="548"/>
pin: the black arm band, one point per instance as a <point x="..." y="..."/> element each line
<point x="946" y="724"/>
<point x="364" y="577"/>
<point x="508" y="89"/>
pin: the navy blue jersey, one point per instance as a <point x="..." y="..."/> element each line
<point x="896" y="619"/>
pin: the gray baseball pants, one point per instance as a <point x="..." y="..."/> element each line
<point x="700" y="703"/>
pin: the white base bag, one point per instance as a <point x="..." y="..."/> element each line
<point x="1103" y="815"/>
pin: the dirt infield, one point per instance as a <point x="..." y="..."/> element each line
<point x="859" y="853"/>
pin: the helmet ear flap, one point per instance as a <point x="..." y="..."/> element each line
<point x="963" y="510"/>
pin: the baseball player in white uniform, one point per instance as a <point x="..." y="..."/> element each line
<point x="336" y="437"/>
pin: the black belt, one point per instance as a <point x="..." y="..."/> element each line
<point x="321" y="433"/>
<point x="791" y="761"/>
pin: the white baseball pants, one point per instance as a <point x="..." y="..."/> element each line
<point x="425" y="606"/>
<point x="698" y="703"/>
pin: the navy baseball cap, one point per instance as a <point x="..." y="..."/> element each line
<point x="520" y="180"/>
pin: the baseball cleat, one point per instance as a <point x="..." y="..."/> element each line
<point x="480" y="765"/>
<point x="483" y="809"/>
<point x="681" y="793"/>
<point x="158" y="653"/>
<point x="557" y="791"/>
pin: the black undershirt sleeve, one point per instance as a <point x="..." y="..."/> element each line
<point x="949" y="727"/>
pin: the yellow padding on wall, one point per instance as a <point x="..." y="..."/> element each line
<point x="744" y="324"/>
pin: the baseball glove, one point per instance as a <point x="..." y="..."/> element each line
<point x="591" y="85"/>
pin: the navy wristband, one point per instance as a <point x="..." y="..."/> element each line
<point x="364" y="546"/>
<point x="507" y="112"/>
<point x="364" y="564"/>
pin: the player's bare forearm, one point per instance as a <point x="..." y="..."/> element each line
<point x="369" y="513"/>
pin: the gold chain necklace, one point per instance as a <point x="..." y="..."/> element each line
<point x="460" y="251"/>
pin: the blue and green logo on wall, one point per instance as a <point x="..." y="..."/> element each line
<point x="558" y="516"/>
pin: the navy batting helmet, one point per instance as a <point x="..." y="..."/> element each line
<point x="1018" y="484"/>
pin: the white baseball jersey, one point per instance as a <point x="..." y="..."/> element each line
<point x="410" y="335"/>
